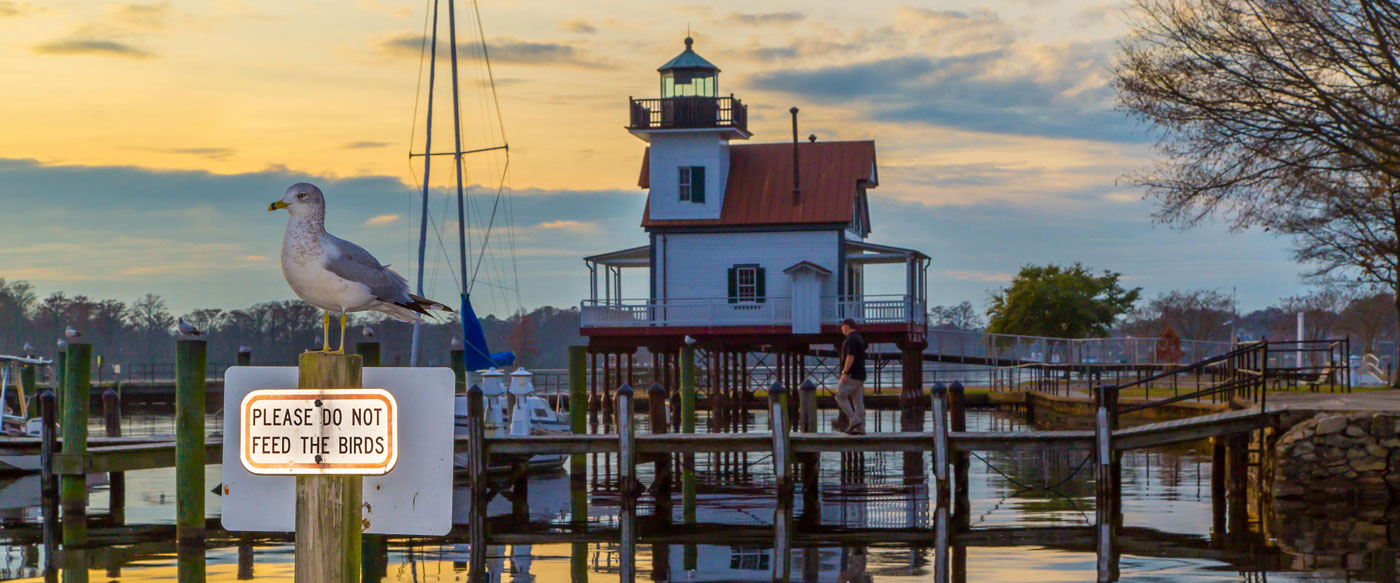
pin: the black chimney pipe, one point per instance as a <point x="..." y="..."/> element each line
<point x="796" y="172"/>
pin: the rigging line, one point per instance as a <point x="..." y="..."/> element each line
<point x="486" y="238"/>
<point x="500" y="119"/>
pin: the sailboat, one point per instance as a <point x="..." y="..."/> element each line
<point x="510" y="411"/>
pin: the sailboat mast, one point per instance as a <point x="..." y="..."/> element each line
<point x="457" y="157"/>
<point x="427" y="165"/>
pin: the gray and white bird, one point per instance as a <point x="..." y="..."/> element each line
<point x="186" y="328"/>
<point x="456" y="344"/>
<point x="368" y="333"/>
<point x="28" y="349"/>
<point x="62" y="344"/>
<point x="689" y="341"/>
<point x="336" y="275"/>
<point x="244" y="349"/>
<point x="72" y="334"/>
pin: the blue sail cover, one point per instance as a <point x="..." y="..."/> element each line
<point x="476" y="355"/>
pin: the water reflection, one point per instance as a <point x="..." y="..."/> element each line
<point x="1025" y="517"/>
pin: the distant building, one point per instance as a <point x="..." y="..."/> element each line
<point x="742" y="253"/>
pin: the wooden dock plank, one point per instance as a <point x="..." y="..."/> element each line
<point x="126" y="458"/>
<point x="1190" y="429"/>
<point x="550" y="444"/>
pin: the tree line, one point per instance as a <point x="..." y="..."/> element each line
<point x="143" y="331"/>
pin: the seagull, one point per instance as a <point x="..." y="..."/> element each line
<point x="71" y="333"/>
<point x="368" y="332"/>
<point x="62" y="345"/>
<point x="456" y="344"/>
<point x="689" y="341"/>
<point x="186" y="328"/>
<point x="28" y="348"/>
<point x="244" y="349"/>
<point x="336" y="275"/>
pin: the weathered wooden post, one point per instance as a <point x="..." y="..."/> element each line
<point x="60" y="373"/>
<point x="245" y="558"/>
<point x="458" y="362"/>
<point x="782" y="468"/>
<point x="627" y="524"/>
<point x="48" y="481"/>
<point x="1103" y="459"/>
<point x="578" y="514"/>
<point x="73" y="487"/>
<point x="27" y="387"/>
<point x="626" y="447"/>
<point x="578" y="408"/>
<point x="116" y="492"/>
<point x="811" y="462"/>
<point x="940" y="441"/>
<point x="245" y="358"/>
<point x="369" y="352"/>
<point x="476" y="444"/>
<point x="189" y="441"/>
<point x="656" y="404"/>
<point x="374" y="549"/>
<point x="687" y="374"/>
<point x="782" y="540"/>
<point x="328" y="505"/>
<point x="957" y="409"/>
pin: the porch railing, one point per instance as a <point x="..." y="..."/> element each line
<point x="893" y="309"/>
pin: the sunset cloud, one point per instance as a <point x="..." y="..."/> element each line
<point x="381" y="220"/>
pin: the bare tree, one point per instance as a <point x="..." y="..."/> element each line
<point x="1321" y="312"/>
<point x="959" y="317"/>
<point x="1369" y="318"/>
<point x="1191" y="314"/>
<point x="1277" y="114"/>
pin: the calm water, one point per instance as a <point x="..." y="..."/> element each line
<point x="1032" y="518"/>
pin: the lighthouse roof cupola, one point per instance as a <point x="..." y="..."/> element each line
<point x="689" y="75"/>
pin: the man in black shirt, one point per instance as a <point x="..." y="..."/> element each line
<point x="850" y="393"/>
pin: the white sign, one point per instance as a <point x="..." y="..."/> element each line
<point x="319" y="431"/>
<point x="408" y="500"/>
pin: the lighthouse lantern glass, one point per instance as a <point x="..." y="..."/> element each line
<point x="681" y="83"/>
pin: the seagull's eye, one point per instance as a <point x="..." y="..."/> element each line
<point x="302" y="195"/>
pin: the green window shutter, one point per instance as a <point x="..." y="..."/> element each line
<point x="697" y="184"/>
<point x="733" y="285"/>
<point x="761" y="285"/>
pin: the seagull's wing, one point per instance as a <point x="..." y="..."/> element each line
<point x="353" y="263"/>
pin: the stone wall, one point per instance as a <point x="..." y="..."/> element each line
<point x="1333" y="455"/>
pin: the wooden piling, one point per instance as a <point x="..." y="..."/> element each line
<point x="626" y="446"/>
<point x="374" y="548"/>
<point x="27" y="389"/>
<point x="811" y="462"/>
<point x="476" y="444"/>
<point x="48" y="481"/>
<point x="189" y="441"/>
<point x="369" y="353"/>
<point x="458" y="362"/>
<point x="687" y="375"/>
<point x="1103" y="459"/>
<point x="578" y="408"/>
<point x="328" y="517"/>
<point x="245" y="358"/>
<point x="656" y="404"/>
<point x="777" y="410"/>
<point x="940" y="441"/>
<point x="957" y="409"/>
<point x="73" y="488"/>
<point x="116" y="492"/>
<point x="60" y="373"/>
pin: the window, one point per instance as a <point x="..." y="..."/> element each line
<point x="746" y="284"/>
<point x="692" y="184"/>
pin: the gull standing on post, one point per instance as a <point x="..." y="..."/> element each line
<point x="336" y="275"/>
<point x="186" y="328"/>
<point x="71" y="333"/>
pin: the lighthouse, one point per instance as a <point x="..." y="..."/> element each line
<point x="750" y="246"/>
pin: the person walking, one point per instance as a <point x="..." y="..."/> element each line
<point x="850" y="392"/>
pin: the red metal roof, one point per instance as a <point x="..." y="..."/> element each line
<point x="759" y="189"/>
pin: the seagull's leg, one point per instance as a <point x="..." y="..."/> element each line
<point x="341" y="350"/>
<point x="325" y="331"/>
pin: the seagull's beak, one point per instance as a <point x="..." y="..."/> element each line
<point x="277" y="205"/>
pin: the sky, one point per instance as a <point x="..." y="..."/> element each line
<point x="140" y="143"/>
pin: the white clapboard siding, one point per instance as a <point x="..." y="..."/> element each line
<point x="696" y="265"/>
